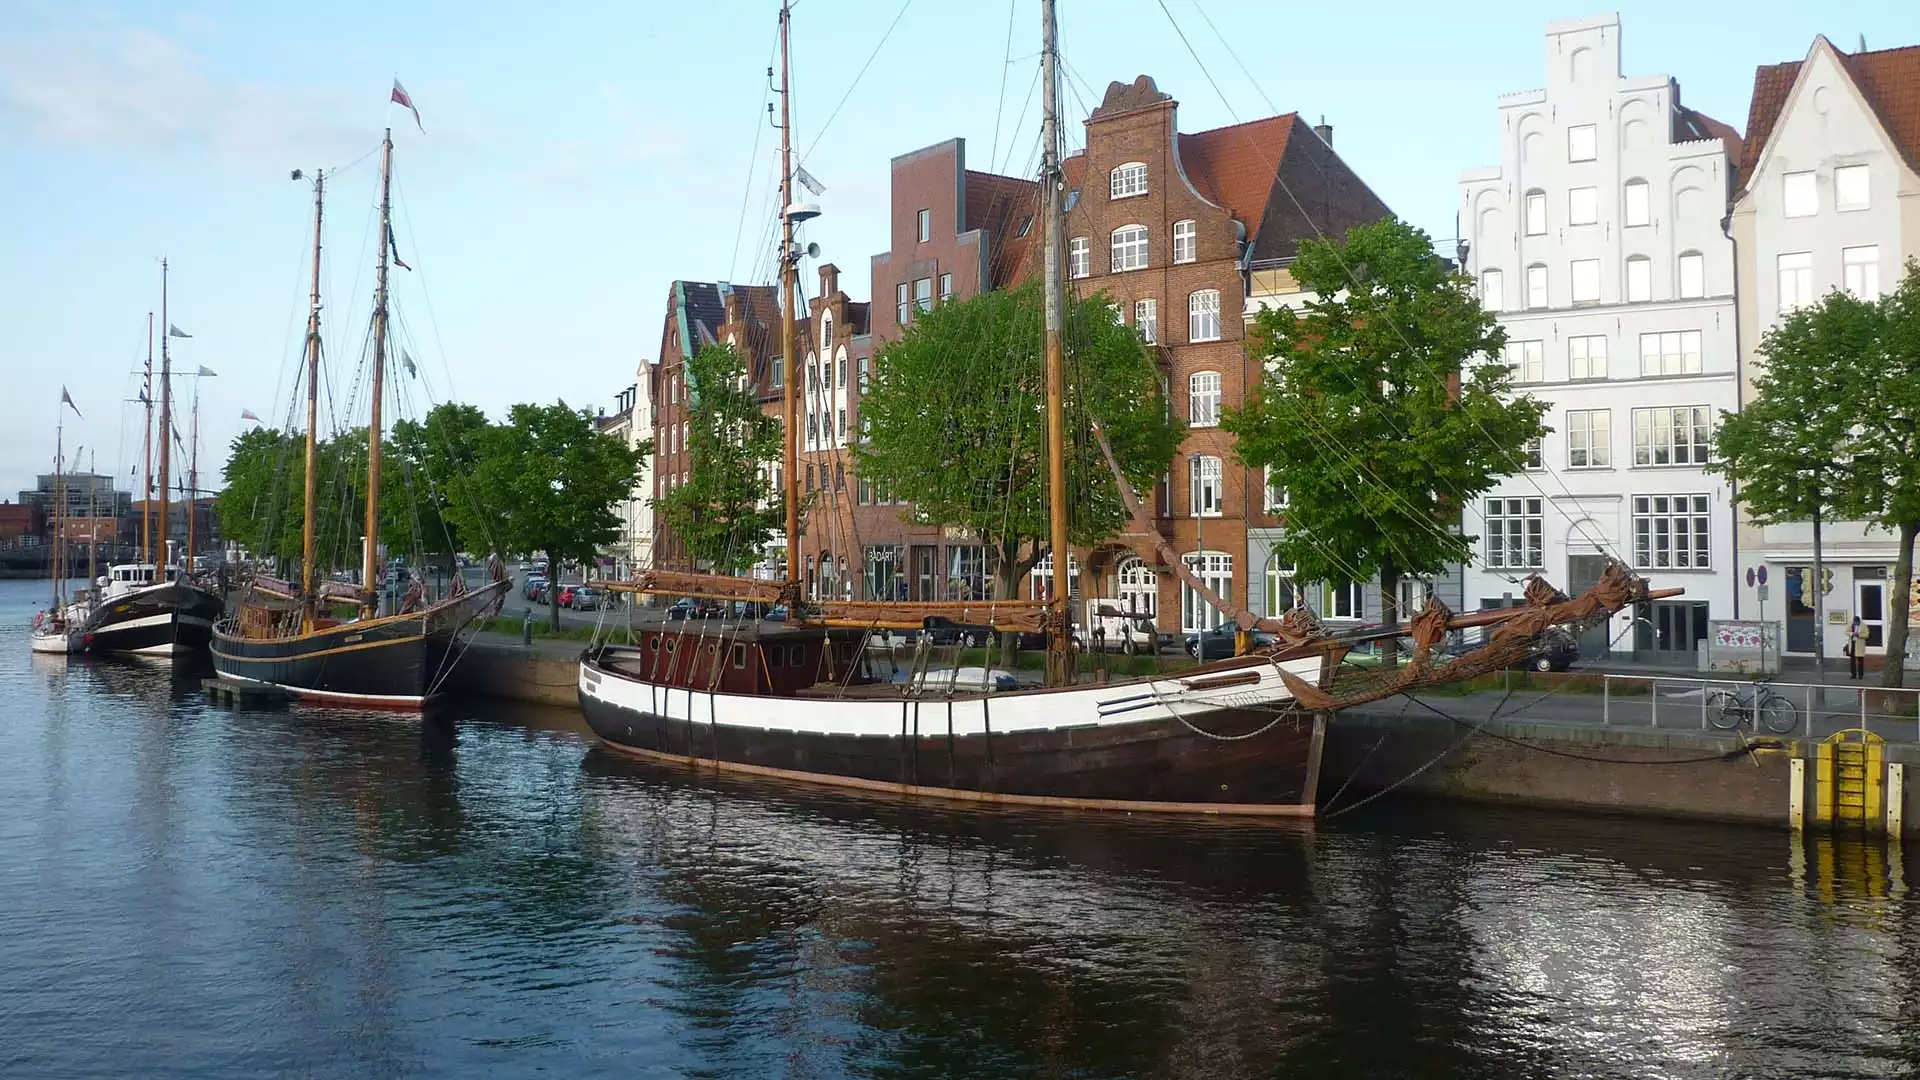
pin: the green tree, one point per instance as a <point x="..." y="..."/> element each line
<point x="259" y="503"/>
<point x="438" y="457"/>
<point x="547" y="480"/>
<point x="1789" y="449"/>
<point x="954" y="421"/>
<point x="1888" y="461"/>
<point x="1379" y="412"/>
<point x="726" y="511"/>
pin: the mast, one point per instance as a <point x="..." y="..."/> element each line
<point x="193" y="475"/>
<point x="787" y="285"/>
<point x="166" y="429"/>
<point x="146" y="454"/>
<point x="93" y="526"/>
<point x="59" y="499"/>
<point x="1059" y="660"/>
<point x="309" y="581"/>
<point x="370" y="558"/>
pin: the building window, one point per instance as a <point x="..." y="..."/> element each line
<point x="1584" y="280"/>
<point x="1536" y="213"/>
<point x="967" y="572"/>
<point x="1205" y="484"/>
<point x="885" y="575"/>
<point x="1146" y="320"/>
<point x="842" y="427"/>
<point x="1674" y="352"/>
<point x="1850" y="187"/>
<point x="777" y="373"/>
<point x="1129" y="248"/>
<point x="840" y="467"/>
<point x="1583" y="205"/>
<point x="1582" y="143"/>
<point x="1344" y="599"/>
<point x="1276" y="494"/>
<point x="809" y="478"/>
<point x="923" y="293"/>
<point x="903" y="308"/>
<point x="946" y="286"/>
<point x="842" y="380"/>
<point x="1515" y="530"/>
<point x="1215" y="571"/>
<point x="1796" y="280"/>
<point x="1693" y="275"/>
<point x="1186" y="242"/>
<point x="926" y="225"/>
<point x="1079" y="258"/>
<point x="1126" y="181"/>
<point x="1203" y="315"/>
<point x="826" y="332"/>
<point x="1414" y="594"/>
<point x="866" y="364"/>
<point x="1040" y="578"/>
<point x="1527" y="360"/>
<point x="1589" y="438"/>
<point x="1798" y="196"/>
<point x="1282" y="595"/>
<point x="1203" y="399"/>
<point x="1587" y="357"/>
<point x="1671" y="532"/>
<point x="1639" y="279"/>
<point x="1534" y="453"/>
<point x="1678" y="435"/>
<point x="1639" y="205"/>
<point x="1490" y="298"/>
<point x="1861" y="266"/>
<point x="1536" y="286"/>
<point x="1139" y="591"/>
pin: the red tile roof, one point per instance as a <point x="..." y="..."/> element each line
<point x="1236" y="166"/>
<point x="1000" y="205"/>
<point x="1690" y="125"/>
<point x="1889" y="80"/>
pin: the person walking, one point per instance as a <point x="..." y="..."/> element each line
<point x="1856" y="650"/>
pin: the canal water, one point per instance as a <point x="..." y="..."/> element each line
<point x="190" y="891"/>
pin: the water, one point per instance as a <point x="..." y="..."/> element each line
<point x="194" y="892"/>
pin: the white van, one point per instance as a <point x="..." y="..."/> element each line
<point x="1105" y="624"/>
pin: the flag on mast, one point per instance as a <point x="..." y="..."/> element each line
<point x="393" y="244"/>
<point x="247" y="414"/>
<point x="205" y="370"/>
<point x="400" y="97"/>
<point x="174" y="331"/>
<point x="67" y="400"/>
<point x="807" y="181"/>
<point x="407" y="362"/>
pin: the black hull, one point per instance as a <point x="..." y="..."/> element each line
<point x="1148" y="765"/>
<point x="161" y="620"/>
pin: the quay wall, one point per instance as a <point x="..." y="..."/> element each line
<point x="517" y="673"/>
<point x="1680" y="775"/>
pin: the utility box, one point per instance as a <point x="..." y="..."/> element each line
<point x="1743" y="646"/>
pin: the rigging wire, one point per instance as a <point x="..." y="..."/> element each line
<point x="851" y="87"/>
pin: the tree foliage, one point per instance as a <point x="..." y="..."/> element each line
<point x="438" y="457"/>
<point x="954" y="421"/>
<point x="726" y="511"/>
<point x="1357" y="415"/>
<point x="261" y="504"/>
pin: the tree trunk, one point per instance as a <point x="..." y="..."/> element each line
<point x="553" y="590"/>
<point x="1893" y="666"/>
<point x="1389" y="613"/>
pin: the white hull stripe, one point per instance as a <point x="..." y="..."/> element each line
<point x="153" y="620"/>
<point x="1087" y="706"/>
<point x="332" y="695"/>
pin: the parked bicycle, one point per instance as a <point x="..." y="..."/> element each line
<point x="1730" y="709"/>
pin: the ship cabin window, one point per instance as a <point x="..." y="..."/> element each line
<point x="739" y="656"/>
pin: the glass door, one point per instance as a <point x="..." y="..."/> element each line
<point x="1870" y="603"/>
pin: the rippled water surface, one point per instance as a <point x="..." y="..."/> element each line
<point x="188" y="891"/>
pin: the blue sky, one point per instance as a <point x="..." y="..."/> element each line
<point x="577" y="161"/>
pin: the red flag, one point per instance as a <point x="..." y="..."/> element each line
<point x="400" y="98"/>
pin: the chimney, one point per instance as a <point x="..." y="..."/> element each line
<point x="1325" y="131"/>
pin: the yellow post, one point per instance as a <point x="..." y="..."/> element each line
<point x="1896" y="799"/>
<point x="1797" y="794"/>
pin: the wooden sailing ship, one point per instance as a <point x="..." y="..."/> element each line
<point x="283" y="634"/>
<point x="809" y="701"/>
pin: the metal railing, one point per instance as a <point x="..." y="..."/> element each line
<point x="1679" y="702"/>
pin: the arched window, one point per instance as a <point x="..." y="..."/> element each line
<point x="1215" y="571"/>
<point x="1536" y="213"/>
<point x="1282" y="594"/>
<point x="1138" y="587"/>
<point x="826" y="332"/>
<point x="1128" y="180"/>
<point x="1040" y="578"/>
<point x="1203" y="399"/>
<point x="1186" y="244"/>
<point x="1639" y="207"/>
<point x="1129" y="248"/>
<point x="1490" y="290"/>
<point x="1206" y="486"/>
<point x="1079" y="258"/>
<point x="1203" y="315"/>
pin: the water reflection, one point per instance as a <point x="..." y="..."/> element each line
<point x="216" y="892"/>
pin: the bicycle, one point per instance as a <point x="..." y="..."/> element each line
<point x="1731" y="709"/>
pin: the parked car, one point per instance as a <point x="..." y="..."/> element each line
<point x="944" y="631"/>
<point x="688" y="607"/>
<point x="776" y="613"/>
<point x="1217" y="643"/>
<point x="1556" y="651"/>
<point x="533" y="587"/>
<point x="1112" y="629"/>
<point x="584" y="598"/>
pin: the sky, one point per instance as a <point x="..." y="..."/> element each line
<point x="575" y="162"/>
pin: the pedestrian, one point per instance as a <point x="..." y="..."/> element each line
<point x="1856" y="651"/>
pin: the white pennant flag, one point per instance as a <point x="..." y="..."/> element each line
<point x="806" y="180"/>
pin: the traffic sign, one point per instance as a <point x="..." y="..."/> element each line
<point x="1762" y="571"/>
<point x="1749" y="577"/>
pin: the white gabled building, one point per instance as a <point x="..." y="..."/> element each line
<point x="1830" y="199"/>
<point x="1598" y="240"/>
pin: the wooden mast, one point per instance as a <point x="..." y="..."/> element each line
<point x="788" y="347"/>
<point x="309" y="581"/>
<point x="166" y="430"/>
<point x="93" y="534"/>
<point x="193" y="476"/>
<point x="370" y="558"/>
<point x="1059" y="660"/>
<point x="59" y="499"/>
<point x="146" y="454"/>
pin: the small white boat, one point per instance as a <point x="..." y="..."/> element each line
<point x="60" y="630"/>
